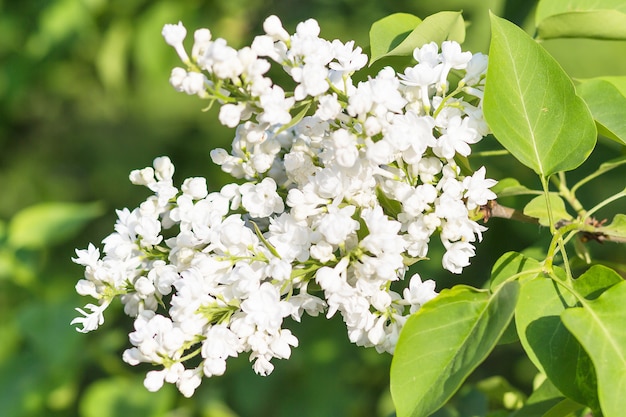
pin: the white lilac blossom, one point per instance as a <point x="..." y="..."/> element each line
<point x="341" y="189"/>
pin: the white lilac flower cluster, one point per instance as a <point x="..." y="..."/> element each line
<point x="344" y="185"/>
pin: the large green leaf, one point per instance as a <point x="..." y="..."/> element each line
<point x="389" y="32"/>
<point x="531" y="106"/>
<point x="399" y="34"/>
<point x="549" y="345"/>
<point x="606" y="98"/>
<point x="444" y="342"/>
<point x="599" y="326"/>
<point x="599" y="19"/>
<point x="45" y="224"/>
<point x="595" y="281"/>
<point x="513" y="264"/>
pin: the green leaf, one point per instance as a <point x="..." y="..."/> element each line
<point x="509" y="265"/>
<point x="390" y="37"/>
<point x="513" y="264"/>
<point x="599" y="326"/>
<point x="565" y="408"/>
<point x="538" y="208"/>
<point x="595" y="281"/>
<point x="444" y="342"/>
<point x="390" y="206"/>
<point x="45" y="224"/>
<point x="549" y="345"/>
<point x="295" y="119"/>
<point x="531" y="106"/>
<point x="508" y="187"/>
<point x="388" y="33"/>
<point x="544" y="398"/>
<point x="607" y="103"/>
<point x="617" y="227"/>
<point x="603" y="19"/>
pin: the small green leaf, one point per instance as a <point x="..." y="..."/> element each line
<point x="46" y="224"/>
<point x="549" y="345"/>
<point x="389" y="36"/>
<point x="295" y="119"/>
<point x="508" y="187"/>
<point x="391" y="207"/>
<point x="444" y="342"/>
<point x="607" y="103"/>
<point x="604" y="19"/>
<point x="538" y="209"/>
<point x="617" y="227"/>
<point x="599" y="327"/>
<point x="531" y="106"/>
<point x="262" y="238"/>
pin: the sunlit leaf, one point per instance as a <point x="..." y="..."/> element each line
<point x="531" y="106"/>
<point x="46" y="224"/>
<point x="444" y="342"/>
<point x="599" y="326"/>
<point x="599" y="19"/>
<point x="389" y="36"/>
<point x="607" y="103"/>
<point x="549" y="345"/>
<point x="538" y="208"/>
<point x="389" y="32"/>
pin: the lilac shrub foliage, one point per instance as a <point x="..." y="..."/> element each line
<point x="338" y="190"/>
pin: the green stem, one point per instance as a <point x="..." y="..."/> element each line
<point x="499" y="152"/>
<point x="606" y="202"/>
<point x="190" y="355"/>
<point x="568" y="195"/>
<point x="557" y="234"/>
<point x="571" y="290"/>
<point x="458" y="89"/>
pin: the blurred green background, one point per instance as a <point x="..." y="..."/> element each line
<point x="85" y="98"/>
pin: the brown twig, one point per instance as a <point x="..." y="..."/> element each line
<point x="493" y="209"/>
